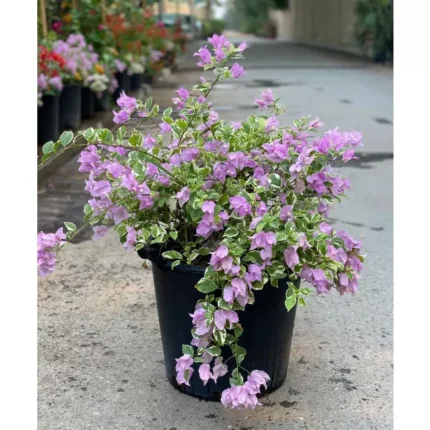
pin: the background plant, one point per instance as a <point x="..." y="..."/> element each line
<point x="374" y="28"/>
<point x="51" y="69"/>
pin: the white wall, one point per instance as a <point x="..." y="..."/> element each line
<point x="326" y="23"/>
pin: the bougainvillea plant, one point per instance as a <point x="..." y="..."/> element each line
<point x="248" y="200"/>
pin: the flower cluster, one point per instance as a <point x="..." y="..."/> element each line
<point x="50" y="69"/>
<point x="247" y="200"/>
<point x="47" y="244"/>
<point x="80" y="57"/>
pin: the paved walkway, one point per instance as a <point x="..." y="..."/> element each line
<point x="100" y="359"/>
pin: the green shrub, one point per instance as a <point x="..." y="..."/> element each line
<point x="374" y="28"/>
<point x="212" y="26"/>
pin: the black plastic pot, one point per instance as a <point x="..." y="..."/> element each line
<point x="88" y="105"/>
<point x="136" y="81"/>
<point x="48" y="119"/>
<point x="123" y="84"/>
<point x="148" y="79"/>
<point x="70" y="107"/>
<point x="267" y="335"/>
<point x="103" y="102"/>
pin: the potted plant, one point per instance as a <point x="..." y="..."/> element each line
<point x="233" y="217"/>
<point x="49" y="86"/>
<point x="135" y="70"/>
<point x="77" y="67"/>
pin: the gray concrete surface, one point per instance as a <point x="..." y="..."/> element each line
<point x="100" y="357"/>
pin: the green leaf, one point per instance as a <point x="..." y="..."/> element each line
<point x="301" y="301"/>
<point x="48" y="147"/>
<point x="148" y="104"/>
<point x="214" y="351"/>
<point x="290" y="299"/>
<point x="238" y="330"/>
<point x="175" y="263"/>
<point x="172" y="255"/>
<point x="188" y="350"/>
<point x="173" y="234"/>
<point x="88" y="133"/>
<point x="240" y="354"/>
<point x="121" y="133"/>
<point x="87" y="209"/>
<point x="106" y="136"/>
<point x="204" y="251"/>
<point x="70" y="226"/>
<point x="275" y="180"/>
<point x="231" y="232"/>
<point x="193" y="256"/>
<point x="220" y="336"/>
<point x="167" y="112"/>
<point x="135" y="140"/>
<point x="66" y="138"/>
<point x="156" y="231"/>
<point x="46" y="157"/>
<point x="206" y="286"/>
<point x="223" y="304"/>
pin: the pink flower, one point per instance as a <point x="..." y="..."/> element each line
<point x="165" y="127"/>
<point x="99" y="231"/>
<point x="208" y="206"/>
<point x="222" y="316"/>
<point x="183" y="196"/>
<point x="326" y="228"/>
<point x="205" y="56"/>
<point x="121" y="117"/>
<point x="237" y="290"/>
<point x="237" y="71"/>
<point x="184" y="369"/>
<point x="126" y="103"/>
<point x="219" y="369"/>
<point x="240" y="206"/>
<point x="220" y="260"/>
<point x="97" y="188"/>
<point x="205" y="373"/>
<point x="263" y="240"/>
<point x="291" y="257"/>
<point x="271" y="124"/>
<point x="244" y="396"/>
<point x="199" y="321"/>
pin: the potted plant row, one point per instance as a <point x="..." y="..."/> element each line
<point x="233" y="217"/>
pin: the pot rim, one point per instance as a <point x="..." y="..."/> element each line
<point x="152" y="254"/>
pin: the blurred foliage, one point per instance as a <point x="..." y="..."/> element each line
<point x="252" y="16"/>
<point x="374" y="28"/>
<point x="212" y="26"/>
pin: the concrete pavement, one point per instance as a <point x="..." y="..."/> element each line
<point x="100" y="357"/>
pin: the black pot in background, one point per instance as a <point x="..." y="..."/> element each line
<point x="103" y="102"/>
<point x="88" y="103"/>
<point x="267" y="335"/>
<point x="48" y="119"/>
<point x="148" y="79"/>
<point x="123" y="84"/>
<point x="70" y="107"/>
<point x="136" y="81"/>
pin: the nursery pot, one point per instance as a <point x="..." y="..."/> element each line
<point x="267" y="335"/>
<point x="103" y="102"/>
<point x="48" y="119"/>
<point x="88" y="107"/>
<point x="123" y="84"/>
<point x="70" y="107"/>
<point x="148" y="79"/>
<point x="136" y="81"/>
